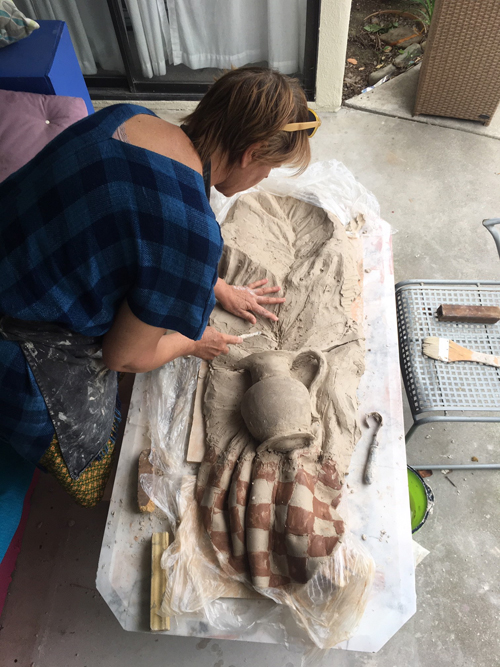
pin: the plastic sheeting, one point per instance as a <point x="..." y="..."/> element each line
<point x="327" y="184"/>
<point x="170" y="402"/>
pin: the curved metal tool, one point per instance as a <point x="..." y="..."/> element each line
<point x="370" y="461"/>
<point x="489" y="224"/>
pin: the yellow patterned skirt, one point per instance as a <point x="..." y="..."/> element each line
<point x="88" y="489"/>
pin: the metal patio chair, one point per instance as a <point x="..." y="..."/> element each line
<point x="449" y="392"/>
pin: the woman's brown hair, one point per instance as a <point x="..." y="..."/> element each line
<point x="247" y="106"/>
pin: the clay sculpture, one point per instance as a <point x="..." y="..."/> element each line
<point x="278" y="409"/>
<point x="281" y="409"/>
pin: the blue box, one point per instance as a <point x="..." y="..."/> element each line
<point x="45" y="63"/>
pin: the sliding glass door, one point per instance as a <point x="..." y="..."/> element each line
<point x="175" y="48"/>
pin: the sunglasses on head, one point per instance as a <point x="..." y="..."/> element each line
<point x="310" y="126"/>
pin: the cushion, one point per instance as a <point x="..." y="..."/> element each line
<point x="29" y="121"/>
<point x="13" y="24"/>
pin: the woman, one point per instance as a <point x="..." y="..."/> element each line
<point x="108" y="240"/>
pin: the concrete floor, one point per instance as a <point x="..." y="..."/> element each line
<point x="435" y="185"/>
<point x="397" y="98"/>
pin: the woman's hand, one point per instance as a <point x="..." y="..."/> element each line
<point x="244" y="301"/>
<point x="213" y="343"/>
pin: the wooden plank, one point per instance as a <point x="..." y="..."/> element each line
<point x="473" y="314"/>
<point x="196" y="446"/>
<point x="159" y="542"/>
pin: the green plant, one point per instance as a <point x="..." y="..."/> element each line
<point x="426" y="9"/>
<point x="377" y="27"/>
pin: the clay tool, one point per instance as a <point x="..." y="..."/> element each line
<point x="443" y="349"/>
<point x="254" y="333"/>
<point x="372" y="452"/>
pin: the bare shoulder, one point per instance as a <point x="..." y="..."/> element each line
<point x="162" y="137"/>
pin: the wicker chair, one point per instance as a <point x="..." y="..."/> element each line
<point x="459" y="75"/>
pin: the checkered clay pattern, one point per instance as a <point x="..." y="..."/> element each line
<point x="213" y="488"/>
<point x="271" y="516"/>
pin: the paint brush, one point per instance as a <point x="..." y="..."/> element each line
<point x="443" y="349"/>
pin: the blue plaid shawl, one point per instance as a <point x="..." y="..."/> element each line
<point x="89" y="222"/>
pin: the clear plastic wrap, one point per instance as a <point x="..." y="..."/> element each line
<point x="170" y="399"/>
<point x="330" y="605"/>
<point x="327" y="609"/>
<point x="193" y="573"/>
<point x="327" y="184"/>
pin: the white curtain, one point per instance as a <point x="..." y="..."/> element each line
<point x="196" y="33"/>
<point x="225" y="33"/>
<point x="90" y="27"/>
<point x="218" y="33"/>
<point x="152" y="35"/>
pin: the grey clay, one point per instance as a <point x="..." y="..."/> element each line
<point x="277" y="409"/>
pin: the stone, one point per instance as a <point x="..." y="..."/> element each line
<point x="408" y="55"/>
<point x="424" y="45"/>
<point x="379" y="74"/>
<point x="405" y="32"/>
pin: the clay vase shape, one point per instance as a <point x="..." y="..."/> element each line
<point x="278" y="409"/>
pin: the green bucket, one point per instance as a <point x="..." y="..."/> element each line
<point x="421" y="499"/>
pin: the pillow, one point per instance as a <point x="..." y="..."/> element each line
<point x="13" y="24"/>
<point x="28" y="122"/>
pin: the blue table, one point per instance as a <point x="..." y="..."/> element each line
<point x="45" y="63"/>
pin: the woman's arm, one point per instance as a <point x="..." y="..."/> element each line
<point x="133" y="346"/>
